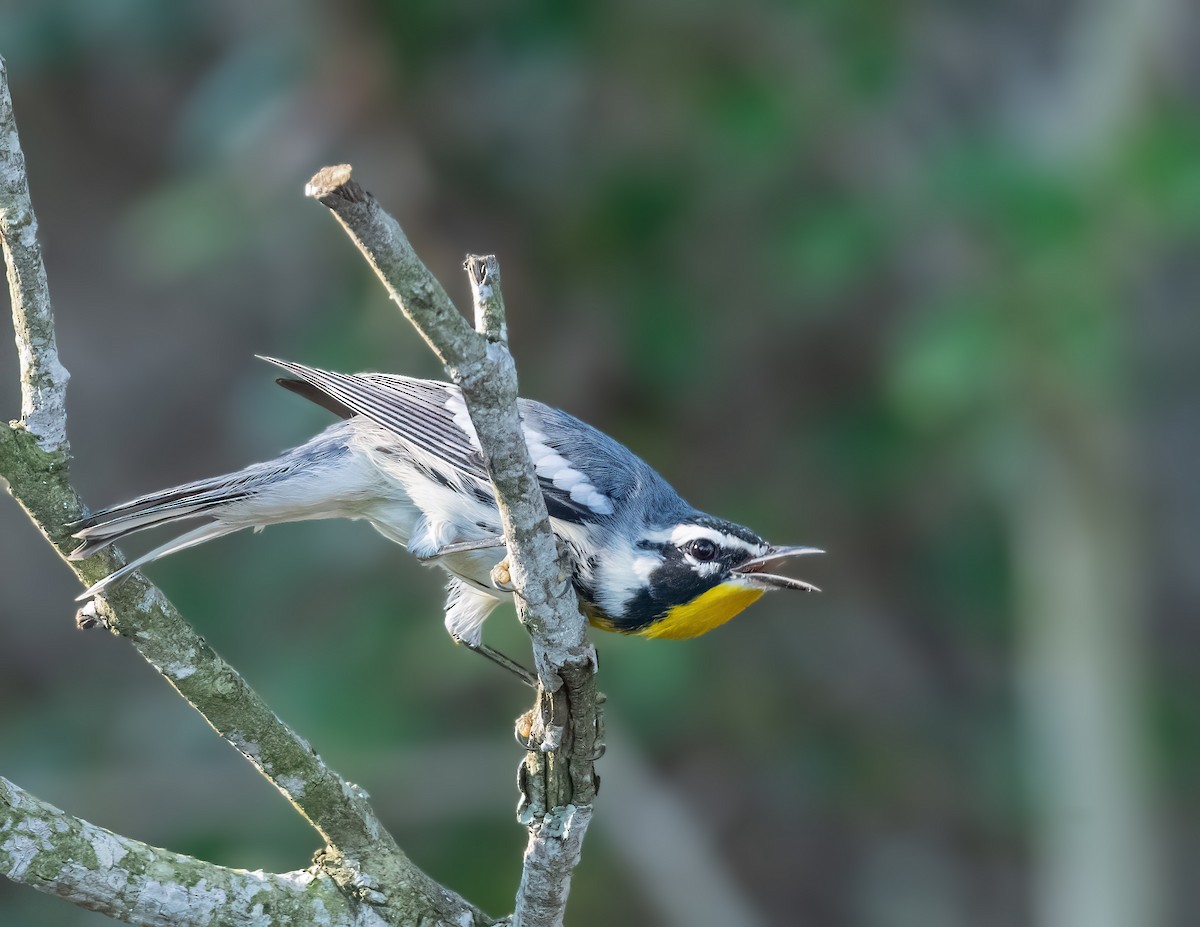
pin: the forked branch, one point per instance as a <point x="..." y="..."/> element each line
<point x="41" y="846"/>
<point x="559" y="780"/>
<point x="362" y="877"/>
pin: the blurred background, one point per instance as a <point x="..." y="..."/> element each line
<point x="913" y="283"/>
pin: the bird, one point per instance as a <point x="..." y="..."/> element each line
<point x="404" y="456"/>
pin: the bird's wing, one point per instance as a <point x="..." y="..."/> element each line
<point x="583" y="472"/>
<point x="421" y="412"/>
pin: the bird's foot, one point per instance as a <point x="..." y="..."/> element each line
<point x="502" y="575"/>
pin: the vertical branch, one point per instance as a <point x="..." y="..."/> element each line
<point x="558" y="782"/>
<point x="407" y="280"/>
<point x="561" y="731"/>
<point x="550" y="858"/>
<point x="484" y="273"/>
<point x="1076" y="585"/>
<point x="43" y="377"/>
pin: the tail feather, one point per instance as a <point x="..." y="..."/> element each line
<point x="322" y="478"/>
<point x="196" y="536"/>
<point x="162" y="500"/>
<point x="202" y="497"/>
<point x="104" y="527"/>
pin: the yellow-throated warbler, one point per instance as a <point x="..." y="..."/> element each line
<point x="407" y="460"/>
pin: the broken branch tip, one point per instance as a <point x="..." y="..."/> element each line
<point x="333" y="182"/>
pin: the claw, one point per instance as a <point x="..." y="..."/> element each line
<point x="502" y="575"/>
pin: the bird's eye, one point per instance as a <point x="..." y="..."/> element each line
<point x="702" y="549"/>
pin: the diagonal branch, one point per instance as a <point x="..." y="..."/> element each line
<point x="361" y="856"/>
<point x="559" y="779"/>
<point x="126" y="879"/>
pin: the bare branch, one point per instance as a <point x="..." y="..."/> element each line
<point x="361" y="854"/>
<point x="486" y="373"/>
<point x="131" y="881"/>
<point x="562" y="729"/>
<point x="43" y="377"/>
<point x="489" y="301"/>
<point x="408" y="281"/>
<point x="361" y="857"/>
<point x="550" y="857"/>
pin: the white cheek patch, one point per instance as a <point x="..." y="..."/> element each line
<point x="644" y="566"/>
<point x="621" y="574"/>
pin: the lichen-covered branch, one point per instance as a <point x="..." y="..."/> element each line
<point x="557" y="807"/>
<point x="131" y="881"/>
<point x="558" y="775"/>
<point x="360" y="857"/>
<point x="550" y="858"/>
<point x="139" y="612"/>
<point x="43" y="378"/>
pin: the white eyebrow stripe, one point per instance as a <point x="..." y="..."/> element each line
<point x="680" y="535"/>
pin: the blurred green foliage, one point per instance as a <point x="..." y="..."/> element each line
<point x="799" y="256"/>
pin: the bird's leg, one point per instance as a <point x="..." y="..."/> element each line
<point x="461" y="547"/>
<point x="505" y="661"/>
<point x="468" y="603"/>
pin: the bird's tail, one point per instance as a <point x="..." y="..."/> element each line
<point x="288" y="488"/>
<point x="190" y="500"/>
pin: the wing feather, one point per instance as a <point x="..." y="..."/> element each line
<point x="414" y="410"/>
<point x="583" y="472"/>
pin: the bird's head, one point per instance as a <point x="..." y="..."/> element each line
<point x="685" y="579"/>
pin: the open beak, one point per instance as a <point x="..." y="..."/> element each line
<point x="754" y="570"/>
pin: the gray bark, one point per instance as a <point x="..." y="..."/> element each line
<point x="361" y="877"/>
<point x="562" y="728"/>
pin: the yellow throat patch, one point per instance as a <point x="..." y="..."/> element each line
<point x="703" y="613"/>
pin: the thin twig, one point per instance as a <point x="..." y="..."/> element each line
<point x="408" y="281"/>
<point x="484" y="273"/>
<point x="479" y="362"/>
